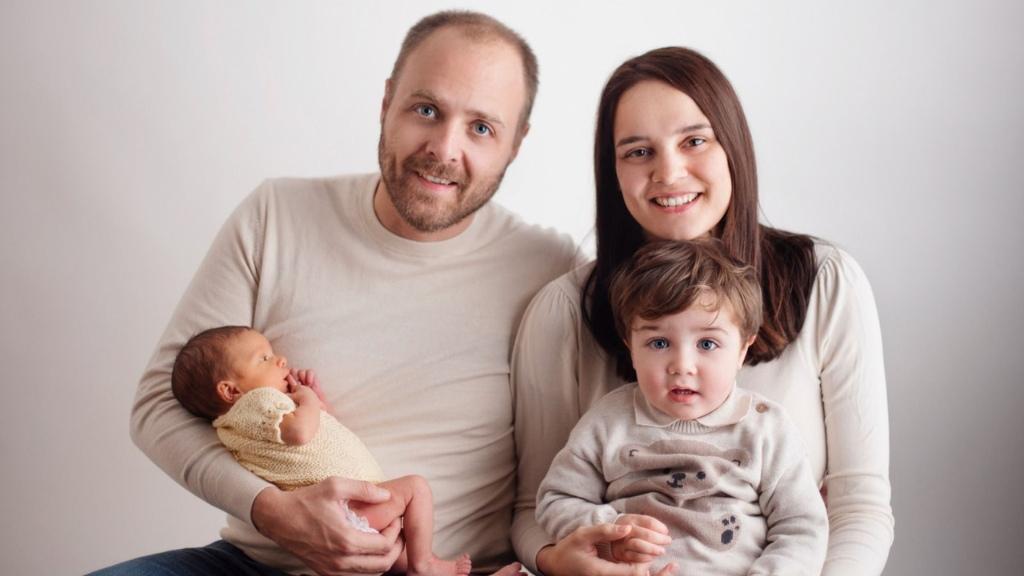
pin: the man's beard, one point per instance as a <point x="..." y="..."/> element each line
<point x="422" y="210"/>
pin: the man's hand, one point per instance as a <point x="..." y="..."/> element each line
<point x="310" y="524"/>
<point x="646" y="541"/>
<point x="576" y="554"/>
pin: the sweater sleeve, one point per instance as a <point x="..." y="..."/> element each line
<point x="572" y="493"/>
<point x="257" y="415"/>
<point x="793" y="509"/>
<point x="222" y="292"/>
<point x="856" y="420"/>
<point x="546" y="404"/>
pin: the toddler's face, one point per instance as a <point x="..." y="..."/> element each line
<point x="686" y="363"/>
<point x="254" y="363"/>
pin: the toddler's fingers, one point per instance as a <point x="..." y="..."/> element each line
<point x="643" y="548"/>
<point x="656" y="538"/>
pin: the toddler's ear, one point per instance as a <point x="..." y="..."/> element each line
<point x="228" y="391"/>
<point x="746" y="347"/>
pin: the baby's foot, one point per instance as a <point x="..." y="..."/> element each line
<point x="437" y="567"/>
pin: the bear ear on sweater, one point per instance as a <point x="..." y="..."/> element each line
<point x="228" y="391"/>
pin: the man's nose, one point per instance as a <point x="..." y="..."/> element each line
<point x="445" y="142"/>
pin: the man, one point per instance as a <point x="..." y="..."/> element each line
<point x="404" y="292"/>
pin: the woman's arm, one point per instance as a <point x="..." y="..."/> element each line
<point x="856" y="420"/>
<point x="547" y="398"/>
<point x="544" y="385"/>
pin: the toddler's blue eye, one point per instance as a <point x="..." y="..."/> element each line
<point x="658" y="343"/>
<point x="707" y="345"/>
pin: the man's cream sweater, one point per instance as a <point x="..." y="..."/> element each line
<point x="411" y="341"/>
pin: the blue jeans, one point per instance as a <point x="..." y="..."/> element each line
<point x="214" y="559"/>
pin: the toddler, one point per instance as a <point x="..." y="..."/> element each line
<point x="711" y="478"/>
<point x="275" y="424"/>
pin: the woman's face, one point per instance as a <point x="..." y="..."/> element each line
<point x="673" y="172"/>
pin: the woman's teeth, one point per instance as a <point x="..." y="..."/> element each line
<point x="673" y="201"/>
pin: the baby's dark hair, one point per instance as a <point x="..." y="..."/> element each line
<point x="666" y="277"/>
<point x="202" y="362"/>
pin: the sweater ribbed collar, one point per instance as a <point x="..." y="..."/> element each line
<point x="734" y="409"/>
<point x="465" y="242"/>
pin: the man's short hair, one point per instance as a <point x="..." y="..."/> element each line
<point x="667" y="277"/>
<point x="202" y="362"/>
<point x="478" y="27"/>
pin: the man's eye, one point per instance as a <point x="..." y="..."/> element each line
<point x="707" y="345"/>
<point x="658" y="343"/>
<point x="481" y="129"/>
<point x="426" y="111"/>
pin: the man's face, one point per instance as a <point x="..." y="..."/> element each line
<point x="449" y="128"/>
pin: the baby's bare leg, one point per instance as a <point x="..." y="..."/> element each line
<point x="412" y="499"/>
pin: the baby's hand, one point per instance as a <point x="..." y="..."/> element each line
<point x="645" y="542"/>
<point x="307" y="377"/>
<point x="300" y="394"/>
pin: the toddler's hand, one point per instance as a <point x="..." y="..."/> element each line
<point x="645" y="542"/>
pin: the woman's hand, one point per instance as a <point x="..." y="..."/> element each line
<point x="646" y="541"/>
<point x="576" y="554"/>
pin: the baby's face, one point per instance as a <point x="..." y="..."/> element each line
<point x="254" y="363"/>
<point x="686" y="363"/>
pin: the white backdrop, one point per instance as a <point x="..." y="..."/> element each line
<point x="129" y="130"/>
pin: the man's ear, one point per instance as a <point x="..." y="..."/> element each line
<point x="228" y="391"/>
<point x="520" y="134"/>
<point x="386" y="101"/>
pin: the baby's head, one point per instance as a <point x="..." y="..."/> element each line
<point x="688" y="312"/>
<point x="217" y="366"/>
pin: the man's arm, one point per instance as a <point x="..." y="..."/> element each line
<point x="307" y="522"/>
<point x="184" y="446"/>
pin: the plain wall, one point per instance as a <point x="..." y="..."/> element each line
<point x="129" y="130"/>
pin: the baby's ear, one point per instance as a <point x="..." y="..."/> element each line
<point x="228" y="391"/>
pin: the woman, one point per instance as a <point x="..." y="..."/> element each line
<point x="674" y="160"/>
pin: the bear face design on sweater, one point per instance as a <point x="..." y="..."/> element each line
<point x="676" y="480"/>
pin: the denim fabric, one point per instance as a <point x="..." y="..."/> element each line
<point x="218" y="558"/>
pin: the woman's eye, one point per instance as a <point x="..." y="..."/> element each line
<point x="695" y="141"/>
<point x="481" y="129"/>
<point x="707" y="345"/>
<point x="658" y="343"/>
<point x="638" y="153"/>
<point x="426" y="111"/>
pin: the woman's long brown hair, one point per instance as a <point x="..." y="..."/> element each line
<point x="784" y="261"/>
